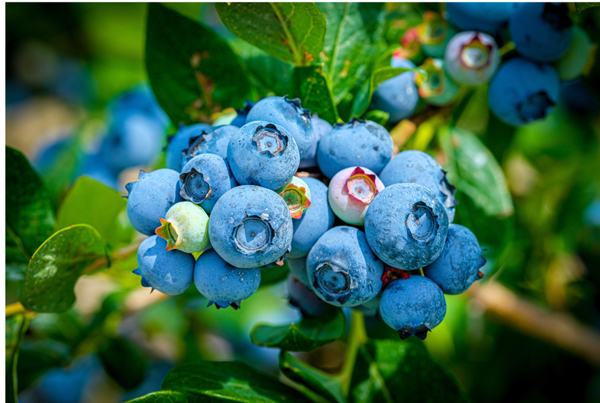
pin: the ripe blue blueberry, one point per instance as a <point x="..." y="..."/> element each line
<point x="180" y="142"/>
<point x="214" y="142"/>
<point x="399" y="95"/>
<point x="320" y="128"/>
<point x="356" y="143"/>
<point x="342" y="269"/>
<point x="242" y="114"/>
<point x="150" y="197"/>
<point x="96" y="168"/>
<point x="250" y="226"/>
<point x="437" y="88"/>
<point x="263" y="154"/>
<point x="317" y="219"/>
<point x="471" y="58"/>
<point x="169" y="272"/>
<point x="478" y="16"/>
<point x="523" y="91"/>
<point x="541" y="31"/>
<point x="142" y="100"/>
<point x="305" y="299"/>
<point x="289" y="114"/>
<point x="406" y="226"/>
<point x="458" y="265"/>
<point x="223" y="284"/>
<point x="413" y="306"/>
<point x="204" y="179"/>
<point x="412" y="166"/>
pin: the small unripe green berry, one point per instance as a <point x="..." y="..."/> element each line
<point x="185" y="228"/>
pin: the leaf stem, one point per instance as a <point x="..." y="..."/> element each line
<point x="506" y="48"/>
<point x="374" y="371"/>
<point x="356" y="338"/>
<point x="14" y="309"/>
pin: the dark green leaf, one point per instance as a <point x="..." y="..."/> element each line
<point x="352" y="41"/>
<point x="16" y="326"/>
<point x="273" y="275"/>
<point x="395" y="371"/>
<point x="318" y="381"/>
<point x="306" y="335"/>
<point x="37" y="357"/>
<point x="229" y="381"/>
<point x="376" y="116"/>
<point x="167" y="396"/>
<point x="56" y="266"/>
<point x="123" y="362"/>
<point x="29" y="216"/>
<point x="292" y="32"/>
<point x="191" y="69"/>
<point x="584" y="6"/>
<point x="473" y="170"/>
<point x="90" y="202"/>
<point x="311" y="86"/>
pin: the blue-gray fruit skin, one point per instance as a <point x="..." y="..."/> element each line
<point x="414" y="166"/>
<point x="342" y="269"/>
<point x="250" y="226"/>
<point x="356" y="143"/>
<point x="303" y="298"/>
<point x="204" y="179"/>
<point x="214" y="142"/>
<point x="458" y="265"/>
<point x="484" y="17"/>
<point x="150" y="197"/>
<point x="180" y="142"/>
<point x="298" y="269"/>
<point x="413" y="306"/>
<point x="399" y="95"/>
<point x="223" y="284"/>
<point x="168" y="272"/>
<point x="406" y="226"/>
<point x="315" y="221"/>
<point x="289" y="114"/>
<point x="320" y="128"/>
<point x="263" y="154"/>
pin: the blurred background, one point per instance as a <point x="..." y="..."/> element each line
<point x="76" y="82"/>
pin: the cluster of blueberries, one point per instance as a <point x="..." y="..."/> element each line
<point x="463" y="50"/>
<point x="231" y="201"/>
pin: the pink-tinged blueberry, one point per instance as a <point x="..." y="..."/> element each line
<point x="472" y="58"/>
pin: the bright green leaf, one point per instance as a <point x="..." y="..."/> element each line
<point x="16" y="326"/>
<point x="56" y="266"/>
<point x="306" y="335"/>
<point x="167" y="396"/>
<point x="123" y="361"/>
<point x="291" y="32"/>
<point x="311" y="86"/>
<point x="191" y="69"/>
<point x="376" y="116"/>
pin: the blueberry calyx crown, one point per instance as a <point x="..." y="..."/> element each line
<point x="361" y="186"/>
<point x="418" y="331"/>
<point x="392" y="274"/>
<point x="421" y="223"/>
<point x="253" y="234"/>
<point x="195" y="144"/>
<point x="269" y="140"/>
<point x="535" y="106"/>
<point x="196" y="186"/>
<point x="449" y="191"/>
<point x="352" y="122"/>
<point x="296" y="199"/>
<point x="433" y="30"/>
<point x="435" y="82"/>
<point x="305" y="113"/>
<point x="476" y="55"/>
<point x="557" y="16"/>
<point x="334" y="282"/>
<point x="224" y="304"/>
<point x="168" y="232"/>
<point x="410" y="44"/>
<point x="246" y="109"/>
<point x="145" y="282"/>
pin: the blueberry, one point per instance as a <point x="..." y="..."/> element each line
<point x="434" y="34"/>
<point x="297" y="196"/>
<point x="214" y="141"/>
<point x="250" y="227"/>
<point x="180" y="142"/>
<point x="350" y="193"/>
<point x="141" y="99"/>
<point x="406" y="226"/>
<point x="150" y="197"/>
<point x="263" y="154"/>
<point x="412" y="166"/>
<point x="289" y="114"/>
<point x="523" y="91"/>
<point x="223" y="284"/>
<point x="471" y="58"/>
<point x="320" y="128"/>
<point x="315" y="222"/>
<point x="303" y="298"/>
<point x="297" y="267"/>
<point x="342" y="269"/>
<point x="579" y="56"/>
<point x="399" y="95"/>
<point x="242" y="114"/>
<point x="204" y="179"/>
<point x="541" y="31"/>
<point x="185" y="228"/>
<point x="358" y="142"/>
<point x="437" y="88"/>
<point x="486" y="17"/>
<point x="168" y="272"/>
<point x="413" y="306"/>
<point x="458" y="265"/>
<point x="96" y="168"/>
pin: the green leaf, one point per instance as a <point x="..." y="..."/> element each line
<point x="90" y="202"/>
<point x="167" y="396"/>
<point x="37" y="357"/>
<point x="584" y="6"/>
<point x="29" y="215"/>
<point x="376" y="116"/>
<point x="192" y="70"/>
<point x="229" y="382"/>
<point x="318" y="381"/>
<point x="306" y="335"/>
<point x="291" y="32"/>
<point x="123" y="362"/>
<point x="352" y="41"/>
<point x="16" y="326"/>
<point x="473" y="170"/>
<point x="311" y="86"/>
<point x="395" y="371"/>
<point x="56" y="266"/>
